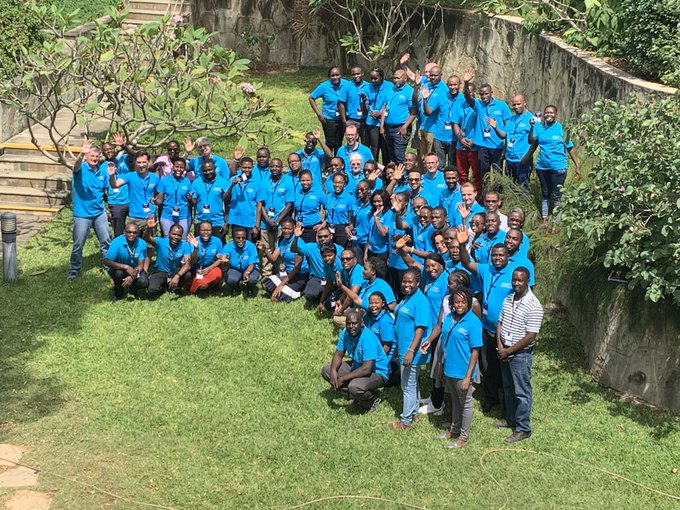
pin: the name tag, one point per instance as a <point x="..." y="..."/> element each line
<point x="199" y="276"/>
<point x="511" y="144"/>
<point x="146" y="209"/>
<point x="116" y="190"/>
<point x="175" y="212"/>
<point x="206" y="209"/>
<point x="487" y="133"/>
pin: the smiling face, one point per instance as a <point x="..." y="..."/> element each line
<point x="453" y="83"/>
<point x="375" y="304"/>
<point x="176" y="232"/>
<point x="477" y="223"/>
<point x="415" y="180"/>
<point x="310" y="142"/>
<point x="550" y="114"/>
<point x="409" y="284"/>
<point x="362" y="191"/>
<point x="173" y="149"/>
<point x="460" y="305"/>
<point x="513" y="238"/>
<point x="499" y="257"/>
<point x="410" y="161"/>
<point x="348" y="259"/>
<point x="142" y="163"/>
<point x="294" y="163"/>
<point x="492" y="201"/>
<point x="518" y="104"/>
<point x="109" y="151"/>
<point x="520" y="282"/>
<point x="452" y="244"/>
<point x="240" y="238"/>
<point x="287" y="228"/>
<point x="355" y="165"/>
<point x="492" y="223"/>
<point x="247" y="168"/>
<point x="306" y="181"/>
<point x="205" y="149"/>
<point x="205" y="230"/>
<point x="433" y="269"/>
<point x="276" y="168"/>
<point x="451" y="179"/>
<point x="208" y="168"/>
<point x="469" y="194"/>
<point x="131" y="232"/>
<point x="486" y="94"/>
<point x="263" y="158"/>
<point x="323" y="235"/>
<point x="334" y="75"/>
<point x="431" y="164"/>
<point x="92" y="157"/>
<point x="515" y="219"/>
<point x="440" y="244"/>
<point x="357" y="74"/>
<point x="351" y="135"/>
<point x="399" y="77"/>
<point x="377" y="202"/>
<point x="178" y="168"/>
<point x="425" y="216"/>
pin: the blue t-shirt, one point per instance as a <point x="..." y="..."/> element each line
<point x="210" y="200"/>
<point x="422" y="236"/>
<point x="458" y="339"/>
<point x="382" y="326"/>
<point x="88" y="187"/>
<point x="124" y="253"/>
<point x="221" y="166"/>
<point x="349" y="96"/>
<point x="431" y="199"/>
<point x="399" y="105"/>
<point x="259" y="173"/>
<point x="428" y="122"/>
<point x="377" y="99"/>
<point x="434" y="291"/>
<point x="519" y="260"/>
<point x="206" y="253"/>
<point x="330" y="95"/>
<point x="446" y="108"/>
<point x="243" y="204"/>
<point x="345" y="153"/>
<point x="449" y="199"/>
<point x="308" y="206"/>
<point x="394" y="260"/>
<point x="276" y="196"/>
<point x="434" y="186"/>
<point x="496" y="285"/>
<point x="313" y="256"/>
<point x="288" y="257"/>
<point x="365" y="347"/>
<point x="378" y="243"/>
<point x="412" y="312"/>
<point x="377" y="285"/>
<point x="483" y="253"/>
<point x="240" y="258"/>
<point x="466" y="118"/>
<point x="117" y="196"/>
<point x="517" y="137"/>
<point x="485" y="135"/>
<point x="174" y="196"/>
<point x="456" y="219"/>
<point x="353" y="277"/>
<point x="169" y="259"/>
<point x="339" y="208"/>
<point x="329" y="270"/>
<point x="363" y="220"/>
<point x="141" y="190"/>
<point x="552" y="149"/>
<point x="313" y="162"/>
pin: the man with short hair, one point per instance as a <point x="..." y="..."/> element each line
<point x="492" y="203"/>
<point x="127" y="261"/>
<point x="311" y="157"/>
<point x="415" y="182"/>
<point x="88" y="186"/>
<point x="400" y="114"/>
<point x="208" y="195"/>
<point x="261" y="168"/>
<point x="205" y="148"/>
<point x="353" y="147"/>
<point x="376" y="100"/>
<point x="513" y="241"/>
<point x="142" y="187"/>
<point x="433" y="178"/>
<point x="467" y="153"/>
<point x="444" y="107"/>
<point x="369" y="367"/>
<point x="431" y="90"/>
<point x="117" y="198"/>
<point x="465" y="210"/>
<point x="243" y="195"/>
<point x="312" y="252"/>
<point x="450" y="197"/>
<point x="519" y="323"/>
<point x="351" y="101"/>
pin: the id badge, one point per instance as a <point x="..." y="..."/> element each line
<point x="116" y="190"/>
<point x="175" y="213"/>
<point x="206" y="209"/>
<point x="199" y="276"/>
<point x="337" y="113"/>
<point x="487" y="133"/>
<point x="511" y="143"/>
<point x="360" y="112"/>
<point x="448" y="126"/>
<point x="271" y="213"/>
<point x="485" y="309"/>
<point x="323" y="281"/>
<point x="507" y="339"/>
<point x="146" y="208"/>
<point x="331" y="229"/>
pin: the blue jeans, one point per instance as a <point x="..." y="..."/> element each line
<point x="517" y="387"/>
<point x="520" y="173"/>
<point x="409" y="389"/>
<point x="396" y="144"/>
<point x="551" y="188"/>
<point x="81" y="228"/>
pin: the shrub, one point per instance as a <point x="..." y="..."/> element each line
<point x="650" y="41"/>
<point x="626" y="213"/>
<point x="18" y="27"/>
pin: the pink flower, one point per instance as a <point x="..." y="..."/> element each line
<point x="247" y="88"/>
<point x="177" y="18"/>
<point x="622" y="189"/>
<point x="215" y="79"/>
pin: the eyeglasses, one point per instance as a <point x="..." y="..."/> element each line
<point x="203" y="146"/>
<point x="346" y="259"/>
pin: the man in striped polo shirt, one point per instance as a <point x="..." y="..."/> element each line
<point x="518" y="325"/>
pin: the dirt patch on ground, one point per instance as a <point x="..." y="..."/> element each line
<point x="29" y="500"/>
<point x="12" y="475"/>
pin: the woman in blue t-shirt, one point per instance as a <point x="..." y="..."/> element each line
<point x="329" y="116"/>
<point x="383" y="216"/>
<point x="552" y="163"/>
<point x="309" y="207"/>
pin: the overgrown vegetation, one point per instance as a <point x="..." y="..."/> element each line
<point x="625" y="214"/>
<point x="18" y="28"/>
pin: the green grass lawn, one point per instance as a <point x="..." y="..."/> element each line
<point x="218" y="403"/>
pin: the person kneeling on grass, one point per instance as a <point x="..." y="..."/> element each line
<point x="206" y="270"/>
<point x="173" y="260"/>
<point x="368" y="368"/>
<point x="240" y="264"/>
<point x="127" y="262"/>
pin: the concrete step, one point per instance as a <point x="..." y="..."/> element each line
<point x="25" y="196"/>
<point x="36" y="180"/>
<point x="161" y="6"/>
<point x="31" y="163"/>
<point x="144" y="15"/>
<point x="28" y="149"/>
<point x="29" y="213"/>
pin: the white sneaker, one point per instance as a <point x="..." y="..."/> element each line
<point x="430" y="409"/>
<point x="425" y="401"/>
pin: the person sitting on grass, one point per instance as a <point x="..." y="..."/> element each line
<point x="127" y="262"/>
<point x="294" y="269"/>
<point x="206" y="270"/>
<point x="172" y="271"/>
<point x="240" y="264"/>
<point x="368" y="368"/>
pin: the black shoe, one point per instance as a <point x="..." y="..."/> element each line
<point x="517" y="436"/>
<point x="486" y="406"/>
<point x="502" y="424"/>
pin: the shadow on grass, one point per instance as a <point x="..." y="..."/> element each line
<point x="41" y="303"/>
<point x="559" y="343"/>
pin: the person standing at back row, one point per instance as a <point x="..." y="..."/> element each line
<point x="330" y="91"/>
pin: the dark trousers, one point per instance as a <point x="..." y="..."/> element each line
<point x="313" y="289"/>
<point x="333" y="131"/>
<point x="158" y="282"/>
<point x="118" y="275"/>
<point x="376" y="142"/>
<point x="488" y="158"/>
<point x="119" y="214"/>
<point x="490" y="368"/>
<point x="519" y="173"/>
<point x="395" y="143"/>
<point x="340" y="236"/>
<point x="551" y="188"/>
<point x="308" y="235"/>
<point x="446" y="153"/>
<point x="361" y="389"/>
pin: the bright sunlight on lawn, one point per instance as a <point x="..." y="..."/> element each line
<point x="218" y="403"/>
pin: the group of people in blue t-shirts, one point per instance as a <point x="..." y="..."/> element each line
<point x="409" y="257"/>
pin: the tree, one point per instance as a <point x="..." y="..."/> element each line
<point x="152" y="83"/>
<point x="374" y="25"/>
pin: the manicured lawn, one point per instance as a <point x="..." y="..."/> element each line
<point x="218" y="403"/>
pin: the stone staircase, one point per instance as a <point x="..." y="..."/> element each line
<point x="143" y="11"/>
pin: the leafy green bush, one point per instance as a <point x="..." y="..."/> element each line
<point x="651" y="39"/>
<point x="626" y="213"/>
<point x="18" y="28"/>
